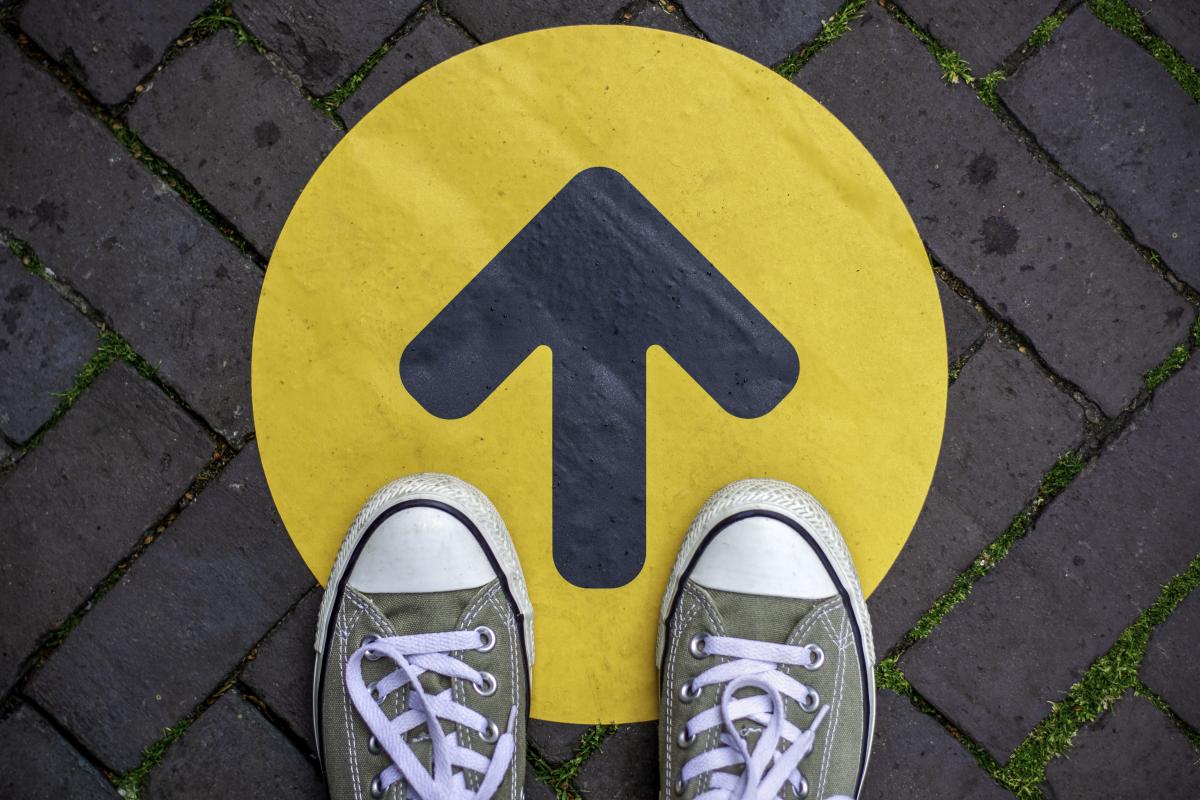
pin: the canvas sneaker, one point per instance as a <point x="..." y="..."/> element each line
<point x="424" y="650"/>
<point x="765" y="654"/>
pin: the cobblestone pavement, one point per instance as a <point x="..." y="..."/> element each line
<point x="1040" y="630"/>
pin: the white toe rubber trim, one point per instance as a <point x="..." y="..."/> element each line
<point x="761" y="555"/>
<point x="453" y="492"/>
<point x="421" y="549"/>
<point x="763" y="494"/>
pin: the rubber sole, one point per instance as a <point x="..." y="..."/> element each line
<point x="431" y="487"/>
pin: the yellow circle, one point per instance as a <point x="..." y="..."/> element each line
<point x="764" y="182"/>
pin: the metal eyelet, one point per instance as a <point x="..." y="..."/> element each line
<point x="696" y="646"/>
<point x="373" y="746"/>
<point x="816" y="657"/>
<point x="684" y="740"/>
<point x="802" y="792"/>
<point x="377" y="787"/>
<point x="688" y="692"/>
<point x="490" y="734"/>
<point x="486" y="686"/>
<point x="373" y="688"/>
<point x="810" y="702"/>
<point x="367" y="640"/>
<point x="679" y="786"/>
<point x="489" y="639"/>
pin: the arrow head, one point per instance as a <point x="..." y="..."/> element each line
<point x="599" y="275"/>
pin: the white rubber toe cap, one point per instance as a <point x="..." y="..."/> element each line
<point x="763" y="556"/>
<point x="421" y="550"/>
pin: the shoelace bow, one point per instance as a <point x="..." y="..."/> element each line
<point x="414" y="656"/>
<point x="766" y="768"/>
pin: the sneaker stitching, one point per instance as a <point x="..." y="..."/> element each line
<point x="839" y="687"/>
<point x="679" y="623"/>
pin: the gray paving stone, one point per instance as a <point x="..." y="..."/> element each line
<point x="1177" y="21"/>
<point x="36" y="763"/>
<point x="765" y="30"/>
<point x="983" y="32"/>
<point x="431" y="41"/>
<point x="1171" y="667"/>
<point x="324" y="42"/>
<point x="238" y="130"/>
<point x="232" y="751"/>
<point x="535" y="789"/>
<point x="1133" y="747"/>
<point x="1096" y="558"/>
<point x="1006" y="425"/>
<point x="281" y="673"/>
<point x="1107" y="111"/>
<point x="43" y="343"/>
<point x="625" y="768"/>
<point x="914" y="756"/>
<point x="109" y="44"/>
<point x="653" y="15"/>
<point x="557" y="741"/>
<point x="170" y="284"/>
<point x="964" y="324"/>
<point x="79" y="501"/>
<point x="217" y="580"/>
<point x="996" y="217"/>
<point x="487" y="20"/>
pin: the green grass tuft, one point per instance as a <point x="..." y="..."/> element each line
<point x="955" y="68"/>
<point x="1169" y="366"/>
<point x="988" y="85"/>
<point x="832" y="29"/>
<point x="218" y="17"/>
<point x="129" y="785"/>
<point x="559" y="777"/>
<point x="1121" y="16"/>
<point x="1045" y="29"/>
<point x="27" y="257"/>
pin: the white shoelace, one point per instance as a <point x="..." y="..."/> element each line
<point x="766" y="769"/>
<point x="414" y="656"/>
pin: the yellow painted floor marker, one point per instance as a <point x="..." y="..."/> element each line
<point x="764" y="183"/>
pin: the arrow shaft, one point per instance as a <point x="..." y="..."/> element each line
<point x="599" y="422"/>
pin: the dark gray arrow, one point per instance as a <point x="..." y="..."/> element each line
<point x="599" y="275"/>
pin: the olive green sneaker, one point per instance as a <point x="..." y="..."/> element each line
<point x="424" y="650"/>
<point x="765" y="655"/>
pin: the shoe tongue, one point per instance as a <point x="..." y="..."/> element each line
<point x="408" y="614"/>
<point x="759" y="617"/>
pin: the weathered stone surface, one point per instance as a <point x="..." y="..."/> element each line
<point x="997" y="218"/>
<point x="217" y="581"/>
<point x="43" y="343"/>
<point x="626" y="765"/>
<point x="281" y="673"/>
<point x="1177" y="21"/>
<point x="431" y="41"/>
<point x="1171" y="667"/>
<point x="984" y="33"/>
<point x="765" y="31"/>
<point x="252" y="158"/>
<point x="1006" y="425"/>
<point x="655" y="16"/>
<point x="1096" y="558"/>
<point x="324" y="42"/>
<point x="38" y="764"/>
<point x="535" y="789"/>
<point x="964" y="325"/>
<point x="557" y="741"/>
<point x="1116" y="120"/>
<point x="171" y="285"/>
<point x="1133" y="747"/>
<point x="914" y="756"/>
<point x="487" y="20"/>
<point x="79" y="501"/>
<point x="109" y="44"/>
<point x="232" y="751"/>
